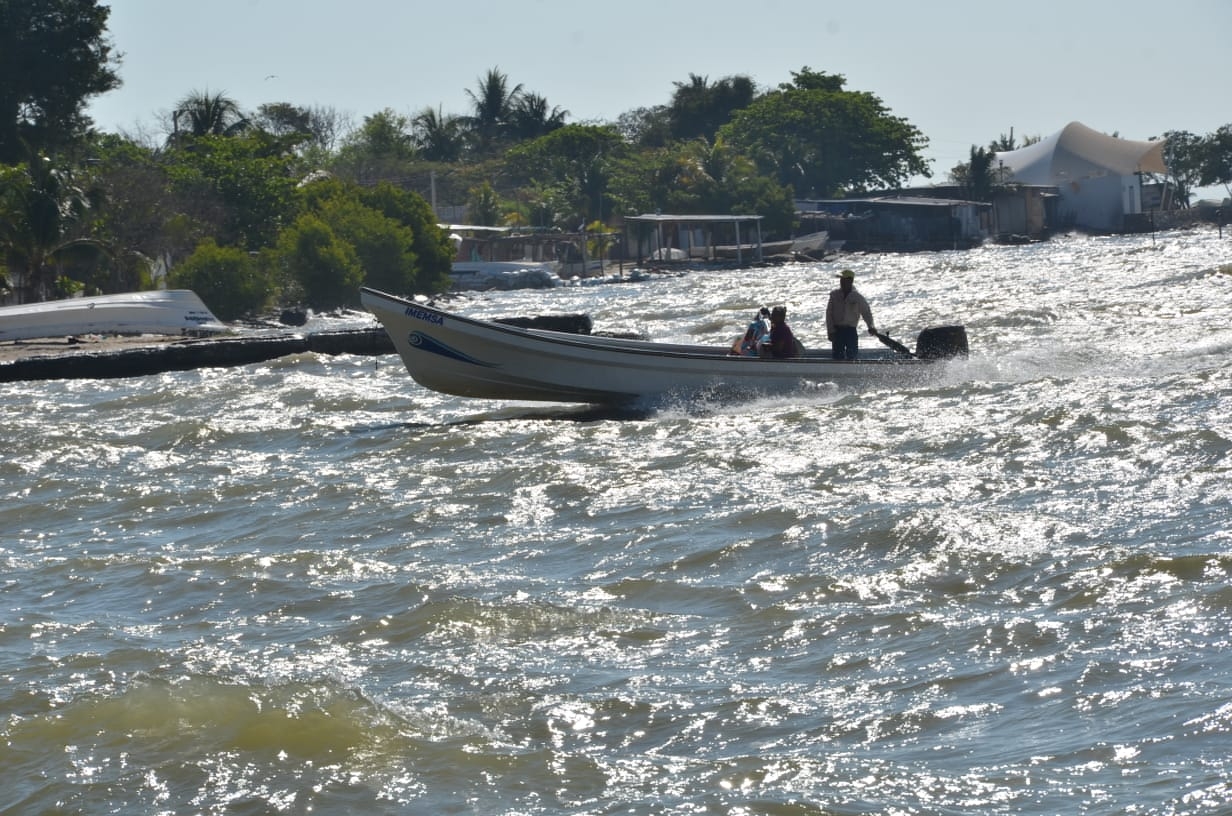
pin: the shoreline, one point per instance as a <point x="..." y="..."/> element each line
<point x="114" y="356"/>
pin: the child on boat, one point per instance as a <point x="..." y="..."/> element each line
<point x="757" y="333"/>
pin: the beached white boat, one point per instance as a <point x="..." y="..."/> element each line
<point x="812" y="244"/>
<point x="475" y="358"/>
<point x="501" y="275"/>
<point x="163" y="311"/>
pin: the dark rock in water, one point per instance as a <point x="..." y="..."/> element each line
<point x="571" y="323"/>
<point x="293" y="317"/>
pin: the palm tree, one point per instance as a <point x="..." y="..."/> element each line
<point x="700" y="108"/>
<point x="40" y="206"/>
<point x="437" y="136"/>
<point x="712" y="163"/>
<point x="483" y="206"/>
<point x="688" y="101"/>
<point x="531" y="118"/>
<point x="201" y="113"/>
<point x="493" y="106"/>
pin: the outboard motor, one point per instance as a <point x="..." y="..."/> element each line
<point x="941" y="341"/>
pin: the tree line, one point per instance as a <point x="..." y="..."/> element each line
<point x="287" y="204"/>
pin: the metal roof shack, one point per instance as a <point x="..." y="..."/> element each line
<point x="898" y="223"/>
<point x="662" y="237"/>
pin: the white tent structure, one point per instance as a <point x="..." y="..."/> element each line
<point x="1097" y="176"/>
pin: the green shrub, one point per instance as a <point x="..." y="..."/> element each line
<point x="327" y="269"/>
<point x="227" y="279"/>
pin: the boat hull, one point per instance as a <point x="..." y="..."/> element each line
<point x="170" y="311"/>
<point x="474" y="358"/>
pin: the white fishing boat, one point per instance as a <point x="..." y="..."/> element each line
<point x="466" y="357"/>
<point x="501" y="275"/>
<point x="812" y="244"/>
<point x="163" y="311"/>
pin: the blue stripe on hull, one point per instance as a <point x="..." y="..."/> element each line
<point x="427" y="343"/>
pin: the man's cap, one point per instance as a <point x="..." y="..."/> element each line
<point x="847" y="273"/>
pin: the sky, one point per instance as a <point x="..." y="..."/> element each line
<point x="963" y="73"/>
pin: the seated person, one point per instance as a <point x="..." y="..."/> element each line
<point x="782" y="342"/>
<point x="758" y="331"/>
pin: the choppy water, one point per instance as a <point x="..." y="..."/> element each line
<point x="312" y="586"/>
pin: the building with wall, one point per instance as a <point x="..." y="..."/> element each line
<point x="1099" y="178"/>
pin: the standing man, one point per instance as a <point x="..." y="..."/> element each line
<point x="843" y="314"/>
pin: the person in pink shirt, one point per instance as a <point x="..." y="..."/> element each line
<point x="782" y="342"/>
